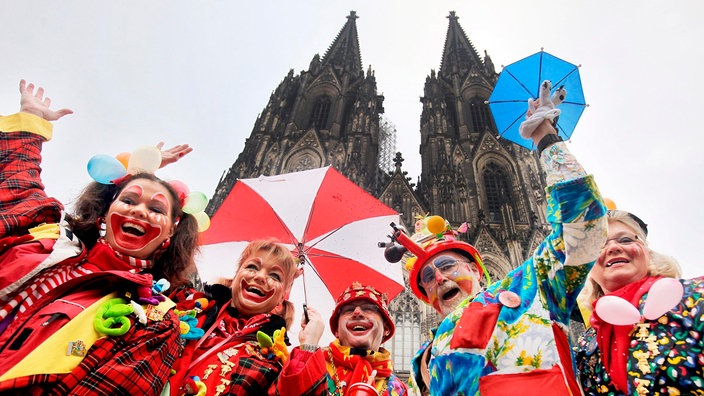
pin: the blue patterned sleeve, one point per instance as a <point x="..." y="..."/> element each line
<point x="577" y="215"/>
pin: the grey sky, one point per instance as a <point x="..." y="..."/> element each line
<point x="138" y="72"/>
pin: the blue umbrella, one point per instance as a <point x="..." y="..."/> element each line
<point x="521" y="80"/>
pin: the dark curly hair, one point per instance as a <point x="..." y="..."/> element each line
<point x="176" y="263"/>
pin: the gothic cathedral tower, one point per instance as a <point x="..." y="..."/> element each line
<point x="468" y="173"/>
<point x="327" y="115"/>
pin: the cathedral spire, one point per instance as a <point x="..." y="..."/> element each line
<point x="459" y="54"/>
<point x="343" y="54"/>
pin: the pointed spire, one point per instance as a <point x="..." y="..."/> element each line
<point x="343" y="53"/>
<point x="459" y="54"/>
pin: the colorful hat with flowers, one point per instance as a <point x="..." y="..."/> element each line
<point x="433" y="235"/>
<point x="357" y="291"/>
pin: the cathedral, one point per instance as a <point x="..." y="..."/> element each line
<point x="331" y="114"/>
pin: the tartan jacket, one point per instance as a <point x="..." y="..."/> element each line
<point x="47" y="283"/>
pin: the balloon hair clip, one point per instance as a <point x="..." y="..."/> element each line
<point x="106" y="169"/>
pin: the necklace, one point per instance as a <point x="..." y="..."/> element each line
<point x="338" y="384"/>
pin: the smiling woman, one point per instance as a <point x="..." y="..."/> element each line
<point x="234" y="356"/>
<point x="69" y="269"/>
<point x="641" y="355"/>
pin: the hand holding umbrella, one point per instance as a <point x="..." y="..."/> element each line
<point x="543" y="108"/>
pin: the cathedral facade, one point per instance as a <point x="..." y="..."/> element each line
<point x="331" y="114"/>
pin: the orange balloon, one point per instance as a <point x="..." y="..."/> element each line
<point x="610" y="205"/>
<point x="124" y="159"/>
<point x="436" y="224"/>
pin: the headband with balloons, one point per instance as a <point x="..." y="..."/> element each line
<point x="106" y="169"/>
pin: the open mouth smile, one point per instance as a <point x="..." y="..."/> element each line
<point x="132" y="234"/>
<point x="255" y="293"/>
<point x="611" y="263"/>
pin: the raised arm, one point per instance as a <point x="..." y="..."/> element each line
<point x="23" y="202"/>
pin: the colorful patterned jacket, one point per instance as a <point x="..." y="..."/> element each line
<point x="511" y="338"/>
<point x="666" y="355"/>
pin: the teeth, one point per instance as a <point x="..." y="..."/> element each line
<point x="135" y="226"/>
<point x="255" y="291"/>
<point x="358" y="328"/>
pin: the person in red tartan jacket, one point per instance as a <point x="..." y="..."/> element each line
<point x="67" y="324"/>
<point x="360" y="323"/>
<point x="243" y="349"/>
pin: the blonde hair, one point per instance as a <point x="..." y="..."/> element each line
<point x="279" y="253"/>
<point x="659" y="265"/>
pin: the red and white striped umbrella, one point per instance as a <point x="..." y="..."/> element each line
<point x="323" y="217"/>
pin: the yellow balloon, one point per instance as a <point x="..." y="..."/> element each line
<point x="203" y="221"/>
<point x="610" y="205"/>
<point x="436" y="224"/>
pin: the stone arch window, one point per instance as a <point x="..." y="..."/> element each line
<point x="406" y="315"/>
<point x="321" y="112"/>
<point x="478" y="114"/>
<point x="498" y="191"/>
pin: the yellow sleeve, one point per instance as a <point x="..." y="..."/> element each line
<point x="25" y="122"/>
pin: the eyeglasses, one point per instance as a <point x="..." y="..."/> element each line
<point x="365" y="308"/>
<point x="445" y="264"/>
<point x="622" y="240"/>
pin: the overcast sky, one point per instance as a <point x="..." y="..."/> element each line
<point x="137" y="72"/>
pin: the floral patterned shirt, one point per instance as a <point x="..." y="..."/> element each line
<point x="511" y="338"/>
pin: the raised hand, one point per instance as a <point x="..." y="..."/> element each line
<point x="37" y="104"/>
<point x="311" y="330"/>
<point x="173" y="154"/>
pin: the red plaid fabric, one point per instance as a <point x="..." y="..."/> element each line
<point x="247" y="371"/>
<point x="137" y="363"/>
<point x="23" y="202"/>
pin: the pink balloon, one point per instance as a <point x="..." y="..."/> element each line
<point x="663" y="295"/>
<point x="181" y="189"/>
<point x="617" y="311"/>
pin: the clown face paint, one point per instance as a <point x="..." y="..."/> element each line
<point x="623" y="259"/>
<point x="445" y="290"/>
<point x="360" y="325"/>
<point x="259" y="284"/>
<point x="139" y="220"/>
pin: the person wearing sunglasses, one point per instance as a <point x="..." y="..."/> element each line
<point x="645" y="332"/>
<point x="512" y="337"/>
<point x="360" y="323"/>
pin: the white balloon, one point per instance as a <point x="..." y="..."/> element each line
<point x="145" y="159"/>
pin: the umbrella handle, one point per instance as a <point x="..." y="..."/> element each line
<point x="303" y="260"/>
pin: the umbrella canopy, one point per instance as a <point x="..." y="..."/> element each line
<point x="320" y="215"/>
<point x="521" y="80"/>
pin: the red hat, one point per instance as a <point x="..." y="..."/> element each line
<point x="436" y="236"/>
<point x="358" y="292"/>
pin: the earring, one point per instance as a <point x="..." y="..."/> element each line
<point x="100" y="223"/>
<point x="165" y="245"/>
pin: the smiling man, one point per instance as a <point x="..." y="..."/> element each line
<point x="361" y="323"/>
<point x="512" y="337"/>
